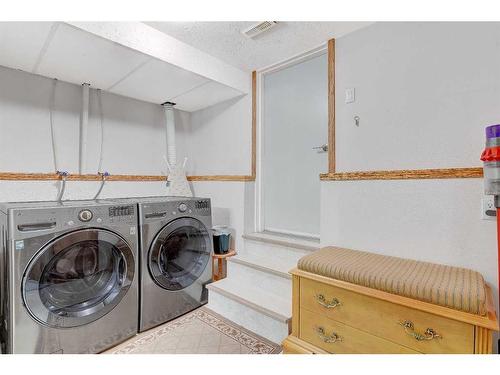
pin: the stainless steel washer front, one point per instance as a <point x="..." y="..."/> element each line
<point x="69" y="276"/>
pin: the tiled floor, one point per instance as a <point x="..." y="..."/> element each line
<point x="199" y="332"/>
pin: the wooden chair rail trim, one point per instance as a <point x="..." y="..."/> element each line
<point x="12" y="176"/>
<point x="254" y="124"/>
<point x="405" y="174"/>
<point x="331" y="106"/>
<point x="489" y="321"/>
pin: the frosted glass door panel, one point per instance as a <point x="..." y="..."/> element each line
<point x="295" y="120"/>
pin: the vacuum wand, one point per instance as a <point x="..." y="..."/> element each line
<point x="491" y="169"/>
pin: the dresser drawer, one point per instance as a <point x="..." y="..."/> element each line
<point x="335" y="337"/>
<point x="384" y="319"/>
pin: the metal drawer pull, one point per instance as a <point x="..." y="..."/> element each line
<point x="328" y="339"/>
<point x="428" y="335"/>
<point x="329" y="305"/>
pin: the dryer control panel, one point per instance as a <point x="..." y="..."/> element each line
<point x="172" y="209"/>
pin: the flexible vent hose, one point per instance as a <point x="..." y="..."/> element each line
<point x="170" y="133"/>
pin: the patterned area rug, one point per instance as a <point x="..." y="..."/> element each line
<point x="199" y="332"/>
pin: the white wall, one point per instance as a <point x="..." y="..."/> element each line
<point x="220" y="138"/>
<point x="424" y="93"/>
<point x="134" y="140"/>
<point x="217" y="141"/>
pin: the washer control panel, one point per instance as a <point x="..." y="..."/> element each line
<point x="85" y="215"/>
<point x="117" y="211"/>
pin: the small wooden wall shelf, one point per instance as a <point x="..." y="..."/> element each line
<point x="219" y="264"/>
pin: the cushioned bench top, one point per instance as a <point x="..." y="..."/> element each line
<point x="453" y="287"/>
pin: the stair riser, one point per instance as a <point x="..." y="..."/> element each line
<point x="253" y="320"/>
<point x="262" y="279"/>
<point x="277" y="251"/>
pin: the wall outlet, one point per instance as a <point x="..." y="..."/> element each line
<point x="488" y="209"/>
<point x="350" y="95"/>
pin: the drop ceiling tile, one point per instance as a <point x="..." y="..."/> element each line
<point x="79" y="57"/>
<point x="157" y="82"/>
<point x="21" y="43"/>
<point x="205" y="96"/>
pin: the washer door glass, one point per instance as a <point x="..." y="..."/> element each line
<point x="78" y="278"/>
<point x="180" y="253"/>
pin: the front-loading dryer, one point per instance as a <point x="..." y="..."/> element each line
<point x="176" y="247"/>
<point x="69" y="274"/>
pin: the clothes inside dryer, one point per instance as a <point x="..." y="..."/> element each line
<point x="81" y="277"/>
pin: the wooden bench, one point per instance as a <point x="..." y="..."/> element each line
<point x="342" y="307"/>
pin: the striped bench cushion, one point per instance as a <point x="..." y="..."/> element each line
<point x="453" y="287"/>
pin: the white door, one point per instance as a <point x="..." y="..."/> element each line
<point x="294" y="121"/>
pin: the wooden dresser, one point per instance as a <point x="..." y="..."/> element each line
<point x="335" y="316"/>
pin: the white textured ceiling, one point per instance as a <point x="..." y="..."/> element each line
<point x="225" y="41"/>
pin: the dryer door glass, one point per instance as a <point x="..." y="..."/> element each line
<point x="180" y="253"/>
<point x="78" y="278"/>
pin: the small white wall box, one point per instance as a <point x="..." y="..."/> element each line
<point x="488" y="209"/>
<point x="350" y="95"/>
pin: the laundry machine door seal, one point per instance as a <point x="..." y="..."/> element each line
<point x="78" y="277"/>
<point x="179" y="253"/>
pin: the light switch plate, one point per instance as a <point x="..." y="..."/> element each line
<point x="350" y="95"/>
<point x="488" y="209"/>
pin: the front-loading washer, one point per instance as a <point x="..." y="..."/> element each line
<point x="176" y="249"/>
<point x="69" y="276"/>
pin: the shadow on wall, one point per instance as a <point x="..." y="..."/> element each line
<point x="206" y="115"/>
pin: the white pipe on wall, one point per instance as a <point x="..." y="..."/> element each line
<point x="170" y="133"/>
<point x="84" y="122"/>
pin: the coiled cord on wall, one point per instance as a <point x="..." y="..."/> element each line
<point x="63" y="174"/>
<point x="103" y="180"/>
<point x="103" y="175"/>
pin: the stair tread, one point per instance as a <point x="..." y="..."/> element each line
<point x="276" y="304"/>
